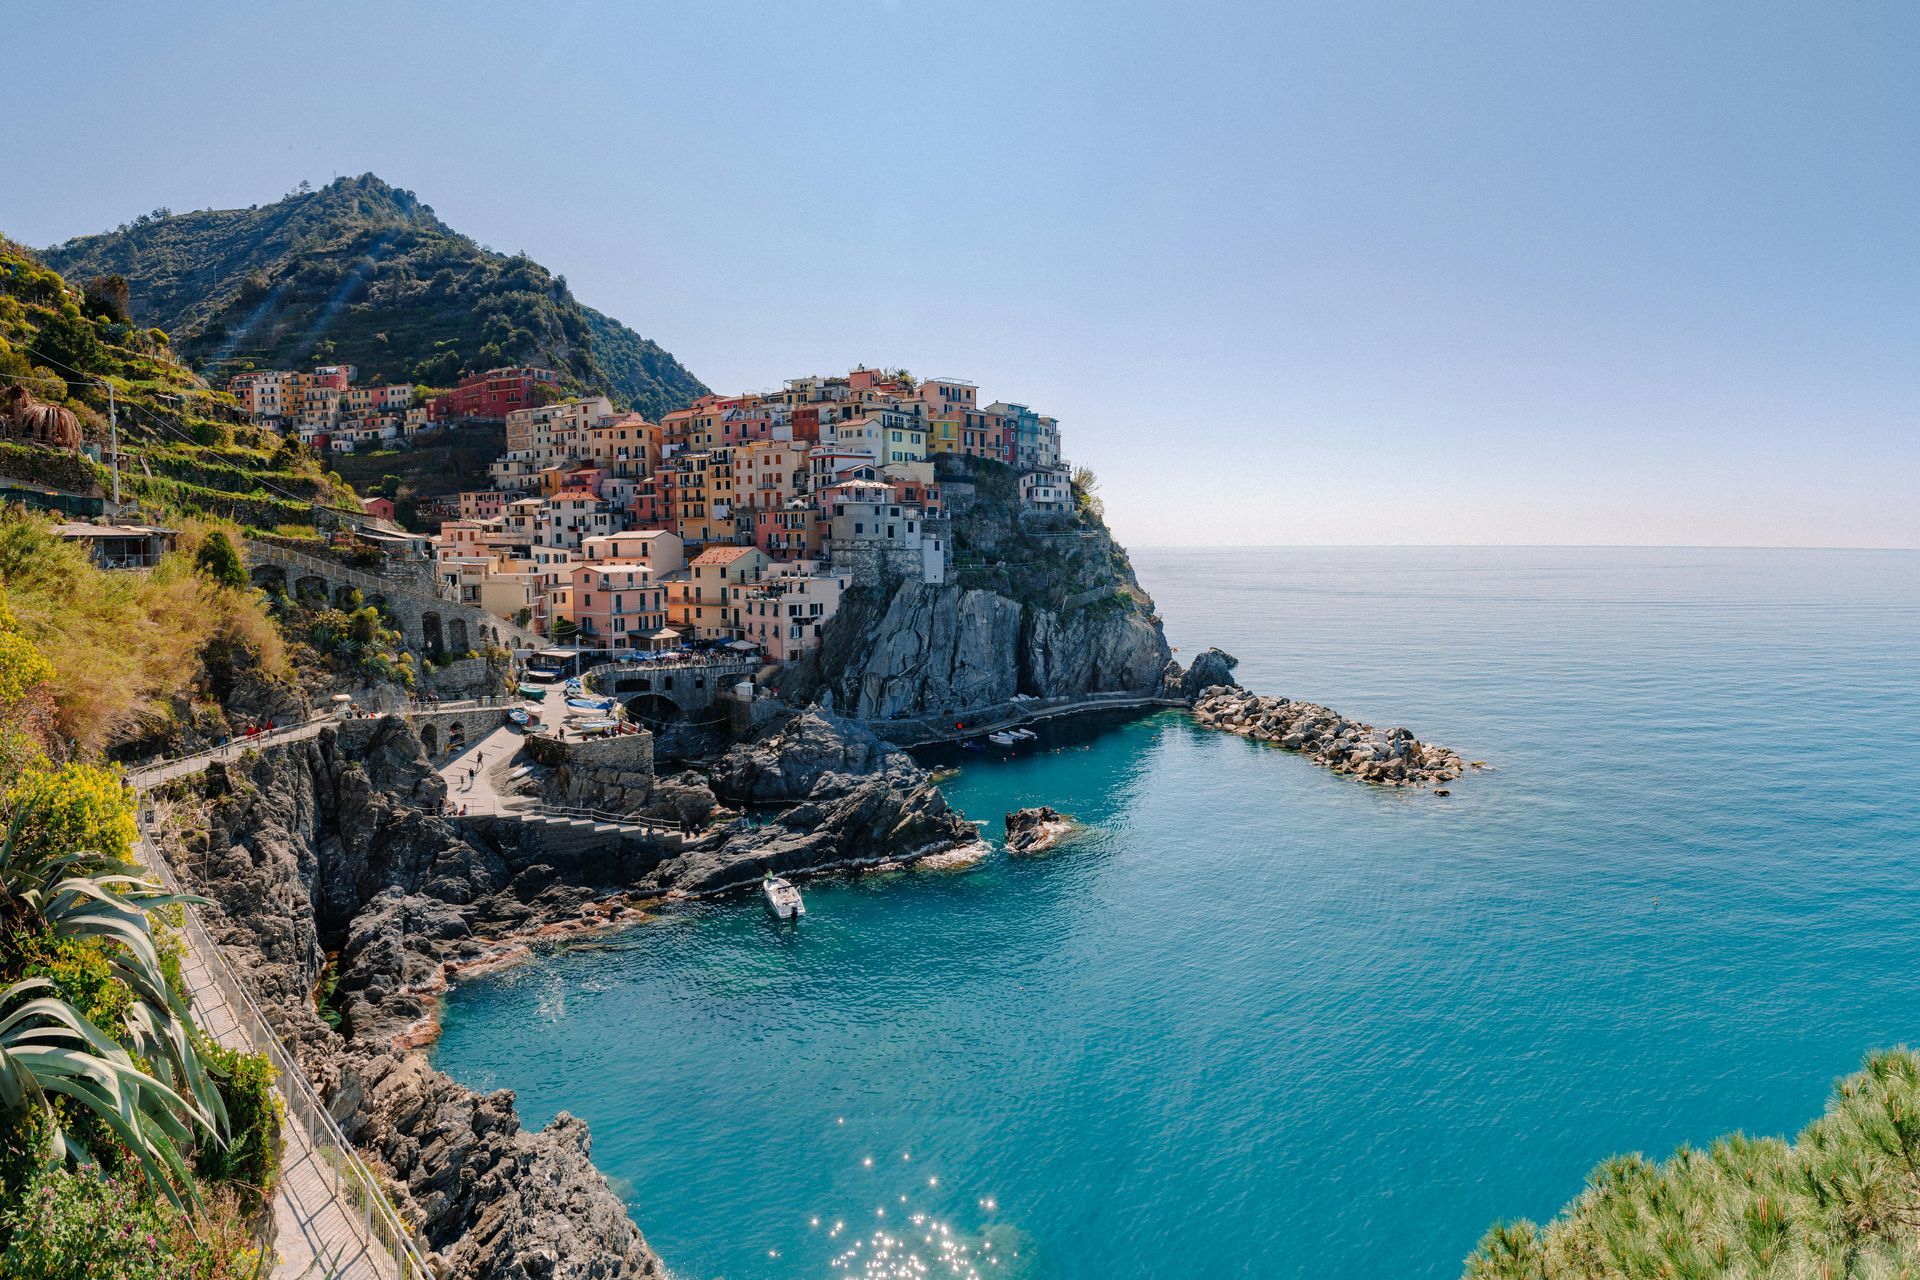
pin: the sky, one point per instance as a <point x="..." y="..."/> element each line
<point x="1287" y="273"/>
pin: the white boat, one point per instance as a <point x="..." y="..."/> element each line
<point x="1025" y="735"/>
<point x="782" y="898"/>
<point x="1004" y="739"/>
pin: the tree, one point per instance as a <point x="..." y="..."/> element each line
<point x="219" y="562"/>
<point x="69" y="341"/>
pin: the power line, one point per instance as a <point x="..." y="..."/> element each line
<point x="183" y="436"/>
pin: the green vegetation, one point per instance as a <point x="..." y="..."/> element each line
<point x="358" y="641"/>
<point x="130" y="1146"/>
<point x="185" y="449"/>
<point x="78" y="1226"/>
<point x="1841" y="1200"/>
<point x="130" y="653"/>
<point x="363" y="273"/>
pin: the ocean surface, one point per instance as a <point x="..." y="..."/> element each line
<point x="1263" y="1021"/>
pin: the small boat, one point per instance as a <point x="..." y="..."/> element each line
<point x="533" y="692"/>
<point x="1025" y="735"/>
<point x="782" y="898"/>
<point x="594" y="726"/>
<point x="519" y="716"/>
<point x="590" y="704"/>
<point x="1002" y="739"/>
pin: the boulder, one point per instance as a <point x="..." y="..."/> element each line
<point x="1031" y="831"/>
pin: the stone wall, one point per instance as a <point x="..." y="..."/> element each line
<point x="612" y="775"/>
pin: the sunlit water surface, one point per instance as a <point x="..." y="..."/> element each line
<point x="1264" y="1021"/>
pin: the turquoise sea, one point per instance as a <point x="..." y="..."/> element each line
<point x="1263" y="1021"/>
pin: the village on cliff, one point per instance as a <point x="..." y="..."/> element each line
<point x="736" y="520"/>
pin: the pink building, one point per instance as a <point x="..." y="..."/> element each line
<point x="617" y="604"/>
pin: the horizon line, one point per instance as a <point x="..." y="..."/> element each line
<point x="1511" y="546"/>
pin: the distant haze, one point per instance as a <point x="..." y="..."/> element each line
<point x="1286" y="273"/>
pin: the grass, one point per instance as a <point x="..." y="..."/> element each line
<point x="125" y="646"/>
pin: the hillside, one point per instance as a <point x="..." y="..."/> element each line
<point x="364" y="273"/>
<point x="185" y="450"/>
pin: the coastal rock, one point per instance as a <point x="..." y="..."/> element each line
<point x="685" y="797"/>
<point x="1035" y="606"/>
<point x="1211" y="667"/>
<point x="1389" y="757"/>
<point x="492" y="1199"/>
<point x="329" y="844"/>
<point x="1031" y="831"/>
<point x="848" y="822"/>
<point x="783" y="764"/>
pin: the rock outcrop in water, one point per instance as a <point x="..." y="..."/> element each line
<point x="1388" y="757"/>
<point x="1031" y="831"/>
<point x="331" y="846"/>
<point x="1037" y="605"/>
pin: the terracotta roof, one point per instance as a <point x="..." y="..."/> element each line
<point x="722" y="555"/>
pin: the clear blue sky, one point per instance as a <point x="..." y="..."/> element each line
<point x="1342" y="272"/>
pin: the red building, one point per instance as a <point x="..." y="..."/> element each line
<point x="494" y="394"/>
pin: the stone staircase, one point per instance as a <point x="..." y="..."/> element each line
<point x="580" y="831"/>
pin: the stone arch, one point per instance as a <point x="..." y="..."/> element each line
<point x="430" y="638"/>
<point x="456" y="736"/>
<point x="268" y="577"/>
<point x="310" y="587"/>
<point x="430" y="739"/>
<point x="343" y="596"/>
<point x="654" y="710"/>
<point x="457" y="636"/>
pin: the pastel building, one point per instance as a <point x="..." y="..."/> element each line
<point x="617" y="604"/>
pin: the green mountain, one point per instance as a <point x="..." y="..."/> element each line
<point x="363" y="273"/>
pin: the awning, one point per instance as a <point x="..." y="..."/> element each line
<point x="665" y="633"/>
<point x="744" y="646"/>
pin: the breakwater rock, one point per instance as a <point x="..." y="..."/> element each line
<point x="1031" y="831"/>
<point x="1387" y="757"/>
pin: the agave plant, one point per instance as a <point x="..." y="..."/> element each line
<point x="149" y="1089"/>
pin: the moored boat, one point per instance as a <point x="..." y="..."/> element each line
<point x="1002" y="739"/>
<point x="782" y="898"/>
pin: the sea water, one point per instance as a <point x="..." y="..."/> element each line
<point x="1261" y="1020"/>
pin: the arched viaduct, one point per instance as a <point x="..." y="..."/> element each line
<point x="659" y="693"/>
<point x="433" y="626"/>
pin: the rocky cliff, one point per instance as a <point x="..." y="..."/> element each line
<point x="1040" y="605"/>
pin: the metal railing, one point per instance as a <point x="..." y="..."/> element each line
<point x="232" y="749"/>
<point x="353" y="1184"/>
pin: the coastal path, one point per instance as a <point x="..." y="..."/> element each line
<point x="332" y="1219"/>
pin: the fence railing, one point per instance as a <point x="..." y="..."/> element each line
<point x="353" y="1184"/>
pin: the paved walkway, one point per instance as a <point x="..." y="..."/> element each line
<point x="473" y="774"/>
<point x="321" y="1233"/>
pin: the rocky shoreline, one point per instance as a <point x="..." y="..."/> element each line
<point x="332" y="874"/>
<point x="328" y="871"/>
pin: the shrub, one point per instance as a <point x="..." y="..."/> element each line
<point x="74" y="807"/>
<point x="219" y="562"/>
<point x="76" y="1226"/>
<point x="250" y="1160"/>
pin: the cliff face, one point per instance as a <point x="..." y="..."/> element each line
<point x="1035" y="605"/>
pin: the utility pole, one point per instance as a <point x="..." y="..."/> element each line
<point x="113" y="429"/>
